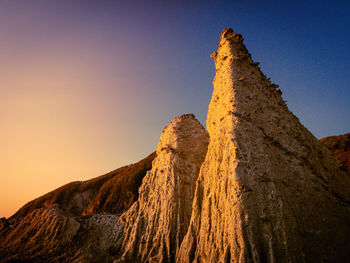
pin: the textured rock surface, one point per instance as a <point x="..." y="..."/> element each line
<point x="268" y="190"/>
<point x="340" y="147"/>
<point x="40" y="232"/>
<point x="46" y="235"/>
<point x="156" y="224"/>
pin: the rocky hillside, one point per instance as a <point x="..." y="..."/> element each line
<point x="101" y="194"/>
<point x="340" y="147"/>
<point x="79" y="216"/>
<point x="256" y="187"/>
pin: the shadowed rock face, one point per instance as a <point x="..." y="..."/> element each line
<point x="156" y="224"/>
<point x="340" y="147"/>
<point x="268" y="190"/>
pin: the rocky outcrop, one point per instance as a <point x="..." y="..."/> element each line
<point x="37" y="236"/>
<point x="268" y="190"/>
<point x="262" y="189"/>
<point x="156" y="224"/>
<point x="340" y="147"/>
<point x="47" y="235"/>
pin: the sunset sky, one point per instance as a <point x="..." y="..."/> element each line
<point x="87" y="86"/>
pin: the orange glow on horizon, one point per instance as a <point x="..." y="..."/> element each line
<point x="60" y="122"/>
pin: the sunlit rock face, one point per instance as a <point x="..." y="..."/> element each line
<point x="156" y="224"/>
<point x="268" y="190"/>
<point x="261" y="189"/>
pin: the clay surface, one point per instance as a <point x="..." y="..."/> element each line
<point x="268" y="190"/>
<point x="156" y="224"/>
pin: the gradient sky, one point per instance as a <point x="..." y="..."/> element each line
<point x="87" y="86"/>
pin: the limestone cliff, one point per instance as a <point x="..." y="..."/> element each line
<point x="268" y="190"/>
<point x="156" y="224"/>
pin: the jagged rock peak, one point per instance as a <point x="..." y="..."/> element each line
<point x="236" y="44"/>
<point x="235" y="70"/>
<point x="268" y="190"/>
<point x="176" y="134"/>
<point x="153" y="228"/>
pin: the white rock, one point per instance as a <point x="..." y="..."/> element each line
<point x="157" y="222"/>
<point x="266" y="182"/>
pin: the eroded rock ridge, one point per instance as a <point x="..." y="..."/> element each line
<point x="268" y="190"/>
<point x="261" y="189"/>
<point x="157" y="222"/>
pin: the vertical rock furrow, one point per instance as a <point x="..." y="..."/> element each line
<point x="154" y="227"/>
<point x="268" y="191"/>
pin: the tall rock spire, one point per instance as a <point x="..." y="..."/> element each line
<point x="268" y="190"/>
<point x="155" y="225"/>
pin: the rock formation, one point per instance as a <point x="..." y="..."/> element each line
<point x="268" y="190"/>
<point x="47" y="235"/>
<point x="156" y="224"/>
<point x="340" y="147"/>
<point x="262" y="189"/>
<point x="41" y="235"/>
